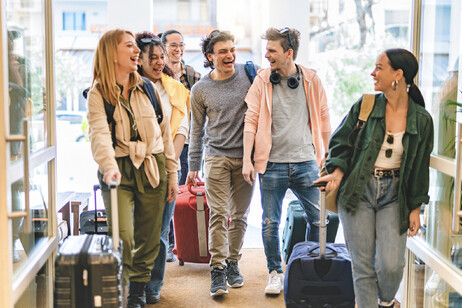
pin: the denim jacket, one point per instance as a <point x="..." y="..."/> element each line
<point x="357" y="161"/>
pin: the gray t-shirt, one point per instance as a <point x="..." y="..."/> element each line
<point x="290" y="131"/>
<point x="222" y="102"/>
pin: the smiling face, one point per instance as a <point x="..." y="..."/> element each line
<point x="384" y="74"/>
<point x="127" y="55"/>
<point x="152" y="64"/>
<point x="175" y="48"/>
<point x="223" y="57"/>
<point x="278" y="59"/>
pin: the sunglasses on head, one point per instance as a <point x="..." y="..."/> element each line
<point x="284" y="31"/>
<point x="390" y="140"/>
<point x="149" y="40"/>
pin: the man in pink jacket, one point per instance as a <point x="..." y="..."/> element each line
<point x="287" y="128"/>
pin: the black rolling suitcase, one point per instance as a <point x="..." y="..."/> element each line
<point x="89" y="268"/>
<point x="93" y="222"/>
<point x="319" y="274"/>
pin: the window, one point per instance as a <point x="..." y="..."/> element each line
<point x="74" y="21"/>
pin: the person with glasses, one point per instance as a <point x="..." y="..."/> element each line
<point x="188" y="76"/>
<point x="175" y="100"/>
<point x="383" y="173"/>
<point x="219" y="97"/>
<point x="141" y="160"/>
<point x="287" y="127"/>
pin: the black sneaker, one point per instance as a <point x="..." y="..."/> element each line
<point x="218" y="286"/>
<point x="152" y="298"/>
<point x="235" y="279"/>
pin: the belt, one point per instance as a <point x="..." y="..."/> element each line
<point x="379" y="173"/>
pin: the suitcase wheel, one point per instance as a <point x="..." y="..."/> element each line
<point x="181" y="262"/>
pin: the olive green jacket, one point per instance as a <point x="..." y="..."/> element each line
<point x="357" y="161"/>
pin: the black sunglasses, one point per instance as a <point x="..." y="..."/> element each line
<point x="149" y="40"/>
<point x="390" y="140"/>
<point x="287" y="30"/>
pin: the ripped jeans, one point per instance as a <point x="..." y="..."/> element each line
<point x="274" y="183"/>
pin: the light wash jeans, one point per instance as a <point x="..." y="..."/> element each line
<point x="274" y="183"/>
<point x="372" y="237"/>
<point x="158" y="271"/>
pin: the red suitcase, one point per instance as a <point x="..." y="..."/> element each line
<point x="191" y="223"/>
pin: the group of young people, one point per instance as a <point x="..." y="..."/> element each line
<point x="276" y="125"/>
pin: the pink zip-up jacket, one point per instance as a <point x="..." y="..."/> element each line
<point x="260" y="105"/>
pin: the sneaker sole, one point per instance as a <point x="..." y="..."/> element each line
<point x="219" y="292"/>
<point x="236" y="285"/>
<point x="273" y="292"/>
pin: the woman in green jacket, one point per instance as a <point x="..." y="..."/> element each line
<point x="383" y="173"/>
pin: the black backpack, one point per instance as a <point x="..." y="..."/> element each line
<point x="148" y="90"/>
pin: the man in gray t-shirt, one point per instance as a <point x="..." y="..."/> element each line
<point x="287" y="125"/>
<point x="219" y="98"/>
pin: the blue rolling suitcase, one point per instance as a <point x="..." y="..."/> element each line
<point x="297" y="227"/>
<point x="294" y="228"/>
<point x="318" y="274"/>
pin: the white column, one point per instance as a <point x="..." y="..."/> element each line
<point x="129" y="15"/>
<point x="280" y="14"/>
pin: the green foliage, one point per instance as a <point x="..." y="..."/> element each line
<point x="349" y="68"/>
<point x="73" y="75"/>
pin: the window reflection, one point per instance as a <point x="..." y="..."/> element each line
<point x="36" y="295"/>
<point x="23" y="242"/>
<point x="26" y="74"/>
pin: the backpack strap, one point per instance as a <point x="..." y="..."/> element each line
<point x="366" y="108"/>
<point x="148" y="89"/>
<point x="109" y="109"/>
<point x="250" y="70"/>
<point x="189" y="75"/>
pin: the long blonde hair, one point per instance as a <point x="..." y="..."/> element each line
<point x="104" y="66"/>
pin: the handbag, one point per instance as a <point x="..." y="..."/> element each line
<point x="366" y="108"/>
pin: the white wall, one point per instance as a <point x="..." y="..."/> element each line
<point x="130" y="15"/>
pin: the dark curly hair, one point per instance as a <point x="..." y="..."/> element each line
<point x="148" y="48"/>
<point x="209" y="42"/>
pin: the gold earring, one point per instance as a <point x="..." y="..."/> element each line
<point x="394" y="85"/>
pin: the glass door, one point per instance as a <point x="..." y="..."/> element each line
<point x="435" y="258"/>
<point x="28" y="177"/>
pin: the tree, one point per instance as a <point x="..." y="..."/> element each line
<point x="73" y="75"/>
<point x="364" y="9"/>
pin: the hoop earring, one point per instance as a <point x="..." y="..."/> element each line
<point x="394" y="85"/>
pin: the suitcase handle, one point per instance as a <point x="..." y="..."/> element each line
<point x="114" y="212"/>
<point x="311" y="252"/>
<point x="320" y="184"/>
<point x="196" y="192"/>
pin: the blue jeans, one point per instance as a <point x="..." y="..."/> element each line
<point x="273" y="186"/>
<point x="158" y="271"/>
<point x="376" y="247"/>
<point x="184" y="165"/>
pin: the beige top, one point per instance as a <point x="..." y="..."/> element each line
<point x="396" y="148"/>
<point x="155" y="138"/>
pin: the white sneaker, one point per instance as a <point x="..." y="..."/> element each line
<point x="275" y="283"/>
